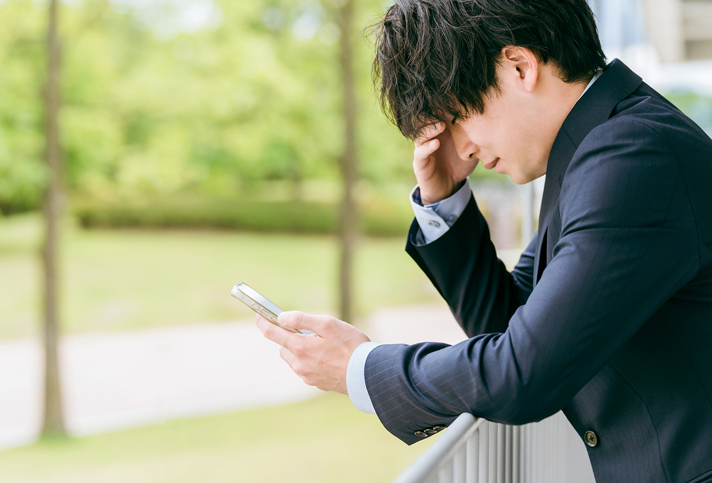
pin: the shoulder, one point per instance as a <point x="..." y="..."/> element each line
<point x="623" y="170"/>
<point x="624" y="146"/>
<point x="630" y="134"/>
<point x="645" y="123"/>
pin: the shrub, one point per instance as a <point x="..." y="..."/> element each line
<point x="376" y="219"/>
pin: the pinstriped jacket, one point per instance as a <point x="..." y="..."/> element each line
<point x="608" y="314"/>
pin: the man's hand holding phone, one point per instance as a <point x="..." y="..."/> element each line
<point x="321" y="358"/>
<point x="317" y="347"/>
<point x="437" y="164"/>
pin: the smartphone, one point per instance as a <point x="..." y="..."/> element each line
<point x="259" y="303"/>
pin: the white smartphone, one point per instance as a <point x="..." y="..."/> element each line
<point x="260" y="304"/>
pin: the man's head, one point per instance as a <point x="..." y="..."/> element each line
<point x="507" y="72"/>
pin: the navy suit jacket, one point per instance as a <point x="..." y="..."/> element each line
<point x="608" y="314"/>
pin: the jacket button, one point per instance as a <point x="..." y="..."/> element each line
<point x="591" y="439"/>
<point x="429" y="431"/>
<point x="421" y="434"/>
<point x="439" y="428"/>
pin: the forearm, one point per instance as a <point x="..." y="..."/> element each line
<point x="463" y="266"/>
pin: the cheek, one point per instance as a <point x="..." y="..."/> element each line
<point x="503" y="133"/>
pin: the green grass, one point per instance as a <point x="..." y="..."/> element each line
<point x="324" y="440"/>
<point x="123" y="280"/>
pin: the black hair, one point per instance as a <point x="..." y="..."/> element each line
<point x="439" y="57"/>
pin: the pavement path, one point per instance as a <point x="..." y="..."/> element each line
<point x="121" y="380"/>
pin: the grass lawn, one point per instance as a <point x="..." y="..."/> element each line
<point x="123" y="280"/>
<point x="324" y="440"/>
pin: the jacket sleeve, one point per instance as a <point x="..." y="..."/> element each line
<point x="628" y="244"/>
<point x="463" y="266"/>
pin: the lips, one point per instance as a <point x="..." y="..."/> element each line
<point x="491" y="164"/>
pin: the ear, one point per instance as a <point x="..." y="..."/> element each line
<point x="522" y="66"/>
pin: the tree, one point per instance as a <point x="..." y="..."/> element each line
<point x="348" y="163"/>
<point x="53" y="423"/>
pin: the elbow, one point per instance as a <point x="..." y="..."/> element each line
<point x="526" y="413"/>
<point x="518" y="403"/>
<point x="520" y="387"/>
<point x="522" y="412"/>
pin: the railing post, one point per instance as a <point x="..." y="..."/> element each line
<point x="483" y="470"/>
<point x="478" y="451"/>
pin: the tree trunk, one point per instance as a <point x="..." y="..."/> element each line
<point x="53" y="423"/>
<point x="349" y="216"/>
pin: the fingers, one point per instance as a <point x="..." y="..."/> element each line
<point x="299" y="367"/>
<point x="275" y="334"/>
<point x="319" y="324"/>
<point x="429" y="132"/>
<point x="422" y="153"/>
<point x="289" y="358"/>
<point x="319" y="360"/>
<point x="426" y="145"/>
<point x="301" y="321"/>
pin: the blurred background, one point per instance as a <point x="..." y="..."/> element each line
<point x="155" y="152"/>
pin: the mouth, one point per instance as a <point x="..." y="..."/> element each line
<point x="491" y="164"/>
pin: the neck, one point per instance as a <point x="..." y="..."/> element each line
<point x="572" y="92"/>
<point x="561" y="101"/>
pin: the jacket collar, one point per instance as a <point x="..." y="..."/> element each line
<point x="594" y="108"/>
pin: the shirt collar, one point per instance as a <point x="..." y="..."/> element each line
<point x="590" y="83"/>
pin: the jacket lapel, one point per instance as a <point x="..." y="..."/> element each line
<point x="595" y="107"/>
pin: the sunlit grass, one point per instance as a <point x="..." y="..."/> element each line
<point x="324" y="440"/>
<point x="122" y="280"/>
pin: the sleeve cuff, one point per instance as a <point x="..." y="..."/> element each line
<point x="435" y="220"/>
<point x="356" y="378"/>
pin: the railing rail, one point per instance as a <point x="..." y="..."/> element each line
<point x="478" y="451"/>
<point x="441" y="456"/>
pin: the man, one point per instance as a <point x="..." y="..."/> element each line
<point x="608" y="314"/>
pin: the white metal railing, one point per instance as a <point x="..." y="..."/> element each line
<point x="478" y="451"/>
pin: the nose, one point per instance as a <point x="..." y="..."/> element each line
<point x="465" y="147"/>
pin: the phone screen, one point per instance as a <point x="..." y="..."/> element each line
<point x="260" y="304"/>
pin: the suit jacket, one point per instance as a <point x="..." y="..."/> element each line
<point x="608" y="314"/>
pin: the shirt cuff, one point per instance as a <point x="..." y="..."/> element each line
<point x="356" y="378"/>
<point x="436" y="219"/>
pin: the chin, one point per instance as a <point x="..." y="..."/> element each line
<point x="519" y="178"/>
<point x="524" y="178"/>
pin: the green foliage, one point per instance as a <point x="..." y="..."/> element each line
<point x="254" y="96"/>
<point x="281" y="216"/>
<point x="698" y="107"/>
<point x="377" y="219"/>
<point x="147" y="114"/>
<point x="21" y="53"/>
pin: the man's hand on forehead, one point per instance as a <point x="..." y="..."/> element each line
<point x="429" y="132"/>
<point x="437" y="164"/>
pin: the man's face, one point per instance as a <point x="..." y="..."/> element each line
<point x="515" y="133"/>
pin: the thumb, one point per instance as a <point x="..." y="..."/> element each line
<point x="293" y="319"/>
<point x="301" y="321"/>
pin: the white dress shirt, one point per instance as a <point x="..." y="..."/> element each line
<point x="434" y="221"/>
